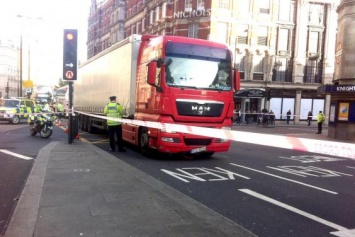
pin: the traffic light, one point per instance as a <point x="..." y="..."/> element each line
<point x="70" y="54"/>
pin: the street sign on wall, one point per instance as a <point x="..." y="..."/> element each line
<point x="27" y="84"/>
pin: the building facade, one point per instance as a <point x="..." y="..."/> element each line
<point x="9" y="69"/>
<point x="284" y="49"/>
<point x="342" y="91"/>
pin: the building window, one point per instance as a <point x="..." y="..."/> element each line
<point x="224" y="4"/>
<point x="143" y="24"/>
<point x="316" y="13"/>
<point x="151" y="17"/>
<point x="137" y="27"/>
<point x="188" y="5"/>
<point x="313" y="71"/>
<point x="283" y="41"/>
<point x="193" y="30"/>
<point x="157" y="12"/>
<point x="313" y="42"/>
<point x="286" y="9"/>
<point x="258" y="68"/>
<point x="281" y="72"/>
<point x="262" y="35"/>
<point x="163" y="10"/>
<point x="133" y="29"/>
<point x="200" y="4"/>
<point x="264" y="6"/>
<point x="240" y="66"/>
<point x="242" y="37"/>
<point x="222" y="30"/>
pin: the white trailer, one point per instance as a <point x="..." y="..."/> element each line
<point x="112" y="72"/>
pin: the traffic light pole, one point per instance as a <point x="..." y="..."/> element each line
<point x="70" y="131"/>
<point x="70" y="54"/>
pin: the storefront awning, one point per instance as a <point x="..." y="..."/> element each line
<point x="336" y="89"/>
<point x="249" y="93"/>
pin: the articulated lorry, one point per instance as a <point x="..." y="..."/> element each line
<point x="166" y="79"/>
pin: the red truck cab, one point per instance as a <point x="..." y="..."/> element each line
<point x="182" y="81"/>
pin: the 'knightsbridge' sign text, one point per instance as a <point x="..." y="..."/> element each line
<point x="346" y="88"/>
<point x="192" y="13"/>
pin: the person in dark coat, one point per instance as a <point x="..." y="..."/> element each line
<point x="309" y="118"/>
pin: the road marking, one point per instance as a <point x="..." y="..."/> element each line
<point x="291" y="180"/>
<point x="16" y="155"/>
<point x="350" y="167"/>
<point x="217" y="174"/>
<point x="305" y="171"/>
<point x="342" y="231"/>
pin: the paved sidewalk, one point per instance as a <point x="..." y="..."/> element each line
<point x="80" y="190"/>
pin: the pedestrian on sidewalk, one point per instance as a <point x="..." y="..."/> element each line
<point x="114" y="110"/>
<point x="309" y="118"/>
<point x="320" y="120"/>
<point x="239" y="117"/>
<point x="288" y="116"/>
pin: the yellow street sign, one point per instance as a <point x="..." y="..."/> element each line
<point x="27" y="84"/>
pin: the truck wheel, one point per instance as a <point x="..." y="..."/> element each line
<point x="16" y="119"/>
<point x="144" y="141"/>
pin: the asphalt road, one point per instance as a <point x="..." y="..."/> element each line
<point x="18" y="150"/>
<point x="269" y="191"/>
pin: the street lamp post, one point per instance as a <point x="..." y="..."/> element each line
<point x="21" y="57"/>
<point x="20" y="92"/>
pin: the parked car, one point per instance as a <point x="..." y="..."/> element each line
<point x="15" y="109"/>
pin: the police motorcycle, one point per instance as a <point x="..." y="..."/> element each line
<point x="41" y="123"/>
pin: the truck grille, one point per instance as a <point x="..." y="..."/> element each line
<point x="199" y="108"/>
<point x="197" y="142"/>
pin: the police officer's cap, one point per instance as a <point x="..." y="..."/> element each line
<point x="112" y="97"/>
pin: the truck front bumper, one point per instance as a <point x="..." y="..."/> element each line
<point x="187" y="143"/>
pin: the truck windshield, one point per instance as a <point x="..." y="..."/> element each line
<point x="198" y="73"/>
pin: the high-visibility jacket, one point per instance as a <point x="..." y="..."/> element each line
<point x="46" y="108"/>
<point x="114" y="110"/>
<point x="60" y="107"/>
<point x="320" y="118"/>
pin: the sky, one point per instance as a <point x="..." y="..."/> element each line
<point x="41" y="24"/>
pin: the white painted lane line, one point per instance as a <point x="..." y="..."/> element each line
<point x="350" y="167"/>
<point x="16" y="155"/>
<point x="291" y="180"/>
<point x="342" y="231"/>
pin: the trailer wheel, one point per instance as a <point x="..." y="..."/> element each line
<point x="144" y="141"/>
<point x="91" y="129"/>
<point x="81" y="122"/>
<point x="85" y="124"/>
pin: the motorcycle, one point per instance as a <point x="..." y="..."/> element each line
<point x="42" y="124"/>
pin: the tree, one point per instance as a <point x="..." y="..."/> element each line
<point x="62" y="83"/>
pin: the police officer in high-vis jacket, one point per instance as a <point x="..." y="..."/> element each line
<point x="115" y="110"/>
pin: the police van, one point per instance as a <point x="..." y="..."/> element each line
<point x="15" y="109"/>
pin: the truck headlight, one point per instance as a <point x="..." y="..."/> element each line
<point x="220" y="140"/>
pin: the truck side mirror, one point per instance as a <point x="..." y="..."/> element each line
<point x="236" y="78"/>
<point x="152" y="73"/>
